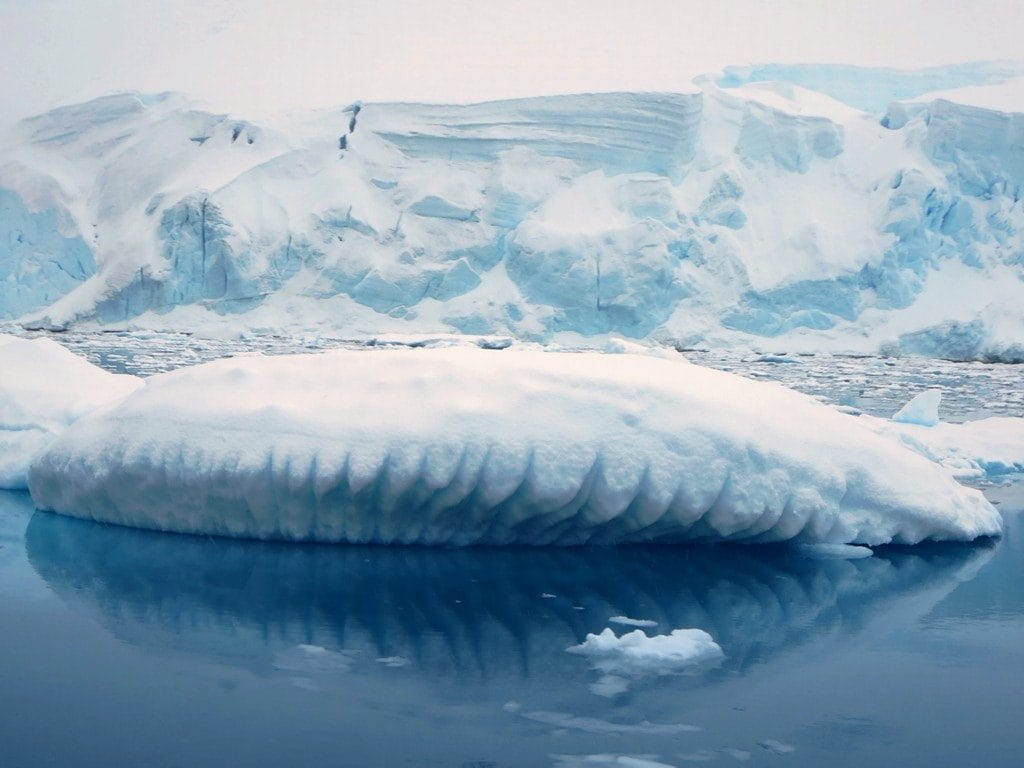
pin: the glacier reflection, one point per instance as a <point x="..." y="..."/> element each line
<point x="478" y="612"/>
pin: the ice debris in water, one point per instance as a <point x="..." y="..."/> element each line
<point x="636" y="654"/>
<point x="468" y="446"/>
<point x="923" y="409"/>
<point x="628" y="622"/>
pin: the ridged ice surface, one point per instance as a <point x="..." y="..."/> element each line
<point x="469" y="446"/>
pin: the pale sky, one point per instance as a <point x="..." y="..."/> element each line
<point x="251" y="57"/>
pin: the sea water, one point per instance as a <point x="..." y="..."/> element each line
<point x="126" y="647"/>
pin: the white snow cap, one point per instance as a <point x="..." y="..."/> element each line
<point x="43" y="389"/>
<point x="469" y="446"/>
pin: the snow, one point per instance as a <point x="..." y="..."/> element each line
<point x="43" y="389"/>
<point x="974" y="449"/>
<point x="923" y="409"/>
<point x="823" y="207"/>
<point x="464" y="445"/>
<point x="1007" y="96"/>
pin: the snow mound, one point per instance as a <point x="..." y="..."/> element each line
<point x="923" y="409"/>
<point x="43" y="389"/>
<point x="469" y="446"/>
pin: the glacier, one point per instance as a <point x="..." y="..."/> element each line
<point x="466" y="446"/>
<point x="807" y="208"/>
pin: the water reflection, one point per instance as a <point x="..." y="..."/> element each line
<point x="479" y="613"/>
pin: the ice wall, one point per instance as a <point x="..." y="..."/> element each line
<point x="816" y="207"/>
<point x="38" y="262"/>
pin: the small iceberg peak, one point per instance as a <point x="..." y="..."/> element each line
<point x="923" y="409"/>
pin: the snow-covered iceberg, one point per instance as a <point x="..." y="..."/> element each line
<point x="470" y="446"/>
<point x="43" y="389"/>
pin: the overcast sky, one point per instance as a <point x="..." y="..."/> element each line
<point x="250" y="57"/>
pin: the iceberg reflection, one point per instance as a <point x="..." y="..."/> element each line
<point x="468" y="612"/>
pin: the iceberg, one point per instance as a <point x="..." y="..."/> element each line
<point x="462" y="446"/>
<point x="43" y="389"/>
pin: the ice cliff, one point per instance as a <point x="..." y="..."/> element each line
<point x="800" y="207"/>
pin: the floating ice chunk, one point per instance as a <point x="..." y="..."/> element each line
<point x="636" y="654"/>
<point x="467" y="446"/>
<point x="923" y="409"/>
<point x="43" y="389"/>
<point x="594" y="725"/>
<point x="626" y="621"/>
<point x="394" y="661"/>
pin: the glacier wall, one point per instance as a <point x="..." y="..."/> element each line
<point x="38" y="262"/>
<point x="801" y="207"/>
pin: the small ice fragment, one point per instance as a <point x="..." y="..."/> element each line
<point x="923" y="409"/>
<point x="394" y="661"/>
<point x="636" y="654"/>
<point x="566" y="720"/>
<point x="632" y="622"/>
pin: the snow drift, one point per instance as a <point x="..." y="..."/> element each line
<point x="468" y="446"/>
